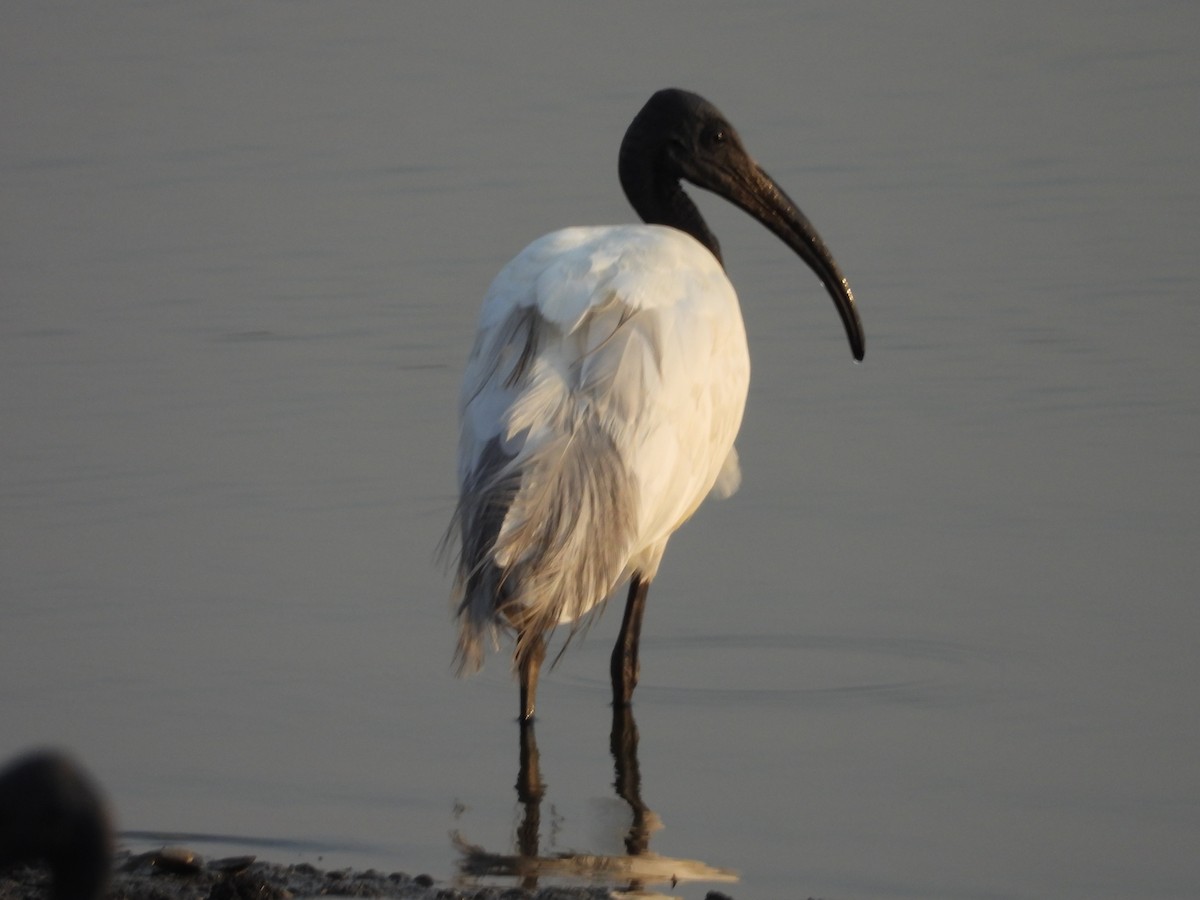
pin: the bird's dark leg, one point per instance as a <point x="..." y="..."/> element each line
<point x="625" y="653"/>
<point x="531" y="650"/>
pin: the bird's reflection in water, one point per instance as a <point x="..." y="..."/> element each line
<point x="623" y="742"/>
<point x="636" y="869"/>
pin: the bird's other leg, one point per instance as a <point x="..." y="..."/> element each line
<point x="531" y="650"/>
<point x="625" y="653"/>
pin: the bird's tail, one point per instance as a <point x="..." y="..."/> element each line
<point x="544" y="537"/>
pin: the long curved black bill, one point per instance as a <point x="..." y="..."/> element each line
<point x="763" y="198"/>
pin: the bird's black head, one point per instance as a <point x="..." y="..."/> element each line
<point x="685" y="135"/>
<point x="677" y="135"/>
<point x="680" y="135"/>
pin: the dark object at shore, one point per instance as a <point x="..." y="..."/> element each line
<point x="51" y="812"/>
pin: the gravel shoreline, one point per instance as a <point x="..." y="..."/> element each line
<point x="56" y="840"/>
<point x="178" y="874"/>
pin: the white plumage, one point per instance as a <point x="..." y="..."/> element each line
<point x="604" y="393"/>
<point x="608" y="379"/>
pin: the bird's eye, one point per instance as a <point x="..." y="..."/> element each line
<point x="714" y="136"/>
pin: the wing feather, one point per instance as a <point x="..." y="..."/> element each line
<point x="599" y="407"/>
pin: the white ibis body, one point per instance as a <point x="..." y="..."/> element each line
<point x="604" y="393"/>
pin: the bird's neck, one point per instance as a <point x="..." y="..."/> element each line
<point x="658" y="197"/>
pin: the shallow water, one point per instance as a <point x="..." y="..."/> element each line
<point x="942" y="642"/>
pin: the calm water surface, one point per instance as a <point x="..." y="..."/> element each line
<point x="941" y="644"/>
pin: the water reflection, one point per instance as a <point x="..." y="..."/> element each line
<point x="635" y="870"/>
